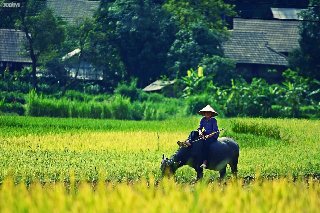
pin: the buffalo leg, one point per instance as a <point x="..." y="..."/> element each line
<point x="223" y="172"/>
<point x="234" y="167"/>
<point x="199" y="173"/>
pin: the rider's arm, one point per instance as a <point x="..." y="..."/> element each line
<point x="215" y="128"/>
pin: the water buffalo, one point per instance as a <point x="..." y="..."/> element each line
<point x="222" y="152"/>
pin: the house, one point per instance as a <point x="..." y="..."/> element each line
<point x="73" y="11"/>
<point x="253" y="54"/>
<point x="157" y="86"/>
<point x="282" y="35"/>
<point x="83" y="70"/>
<point x="12" y="54"/>
<point x="86" y="72"/>
<point x="260" y="47"/>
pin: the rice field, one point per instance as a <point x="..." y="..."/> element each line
<point x="87" y="165"/>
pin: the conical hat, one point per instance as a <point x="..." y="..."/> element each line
<point x="208" y="108"/>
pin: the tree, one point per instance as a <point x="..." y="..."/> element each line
<point x="191" y="46"/>
<point x="136" y="33"/>
<point x="220" y="70"/>
<point x="202" y="31"/>
<point x="44" y="34"/>
<point x="208" y="13"/>
<point x="78" y="41"/>
<point x="306" y="59"/>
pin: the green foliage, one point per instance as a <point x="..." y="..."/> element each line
<point x="73" y="95"/>
<point x="165" y="109"/>
<point x="12" y="102"/>
<point x="295" y="91"/>
<point x="44" y="34"/>
<point x="129" y="90"/>
<point x="10" y="97"/>
<point x="12" y="108"/>
<point x="194" y="83"/>
<point x="220" y="70"/>
<point x="8" y="16"/>
<point x="191" y="46"/>
<point x="135" y="33"/>
<point x="77" y="105"/>
<point x="152" y="97"/>
<point x="207" y="13"/>
<point x="120" y="107"/>
<point x="262" y="99"/>
<point x="306" y="58"/>
<point x="62" y="107"/>
<point x="197" y="102"/>
<point x="256" y="128"/>
<point x="253" y="99"/>
<point x="16" y="82"/>
<point x="201" y="32"/>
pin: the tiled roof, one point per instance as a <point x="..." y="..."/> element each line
<point x="11" y="46"/>
<point x="73" y="11"/>
<point x="252" y="48"/>
<point x="282" y="35"/>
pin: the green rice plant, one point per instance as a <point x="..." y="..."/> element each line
<point x="106" y="111"/>
<point x="73" y="95"/>
<point x="150" y="112"/>
<point x="256" y="128"/>
<point x="47" y="148"/>
<point x="137" y="111"/>
<point x="95" y="110"/>
<point x="120" y="108"/>
<point x="281" y="195"/>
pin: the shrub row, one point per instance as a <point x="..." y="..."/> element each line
<point x="116" y="107"/>
<point x="12" y="103"/>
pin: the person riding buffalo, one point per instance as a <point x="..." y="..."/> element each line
<point x="208" y="130"/>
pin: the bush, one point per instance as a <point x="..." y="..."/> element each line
<point x="150" y="112"/>
<point x="137" y="111"/>
<point x="128" y="90"/>
<point x="155" y="97"/>
<point x="96" y="110"/>
<point x="12" y="97"/>
<point x="310" y="111"/>
<point x="16" y="108"/>
<point x="196" y="103"/>
<point x="73" y="95"/>
<point x="221" y="70"/>
<point x="120" y="108"/>
<point x="106" y="111"/>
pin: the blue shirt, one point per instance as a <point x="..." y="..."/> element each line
<point x="210" y="125"/>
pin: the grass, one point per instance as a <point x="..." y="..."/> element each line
<point x="72" y="165"/>
<point x="47" y="149"/>
<point x="279" y="195"/>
